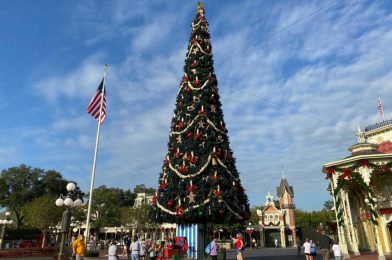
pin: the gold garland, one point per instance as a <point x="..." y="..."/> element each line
<point x="227" y="170"/>
<point x="200" y="49"/>
<point x="191" y="87"/>
<point x="193" y="121"/>
<point x="191" y="175"/>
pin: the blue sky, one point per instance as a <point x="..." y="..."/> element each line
<point x="295" y="79"/>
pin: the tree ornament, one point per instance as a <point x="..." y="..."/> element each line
<point x="191" y="197"/>
<point x="183" y="168"/>
<point x="163" y="186"/>
<point x="222" y="212"/>
<point x="213" y="108"/>
<point x="179" y="139"/>
<point x="178" y="154"/>
<point x="154" y="200"/>
<point x="189" y="135"/>
<point x="195" y="63"/>
<point x="170" y="203"/>
<point x="201" y="124"/>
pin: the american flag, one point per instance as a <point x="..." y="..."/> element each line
<point x="380" y="108"/>
<point x="95" y="104"/>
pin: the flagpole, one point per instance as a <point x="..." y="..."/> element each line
<point x="95" y="158"/>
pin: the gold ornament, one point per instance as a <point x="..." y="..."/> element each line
<point x="191" y="197"/>
<point x="214" y="161"/>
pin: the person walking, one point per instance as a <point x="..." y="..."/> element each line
<point x="151" y="251"/>
<point x="112" y="250"/>
<point x="325" y="244"/>
<point x="306" y="247"/>
<point x="239" y="245"/>
<point x="135" y="248"/>
<point x="143" y="249"/>
<point x="214" y="250"/>
<point x="337" y="252"/>
<point x="79" y="248"/>
<point x="313" y="251"/>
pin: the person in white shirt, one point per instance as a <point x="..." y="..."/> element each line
<point x="336" y="251"/>
<point x="112" y="251"/>
<point x="135" y="249"/>
<point x="306" y="247"/>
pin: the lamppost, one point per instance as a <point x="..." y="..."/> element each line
<point x="4" y="223"/>
<point x="249" y="230"/>
<point x="74" y="198"/>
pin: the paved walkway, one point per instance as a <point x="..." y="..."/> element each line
<point x="250" y="254"/>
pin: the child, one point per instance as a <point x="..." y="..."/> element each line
<point x="336" y="251"/>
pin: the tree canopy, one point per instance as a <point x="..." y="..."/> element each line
<point x="22" y="184"/>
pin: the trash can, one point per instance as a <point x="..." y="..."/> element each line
<point x="222" y="254"/>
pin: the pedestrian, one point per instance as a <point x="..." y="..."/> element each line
<point x="313" y="251"/>
<point x="143" y="249"/>
<point x="239" y="245"/>
<point x="214" y="250"/>
<point x="254" y="243"/>
<point x="276" y="242"/>
<point x="127" y="244"/>
<point x="306" y="247"/>
<point x="151" y="251"/>
<point x="298" y="246"/>
<point x="337" y="252"/>
<point x="325" y="244"/>
<point x="135" y="248"/>
<point x="112" y="251"/>
<point x="79" y="248"/>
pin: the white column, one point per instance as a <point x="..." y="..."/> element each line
<point x="354" y="239"/>
<point x="385" y="233"/>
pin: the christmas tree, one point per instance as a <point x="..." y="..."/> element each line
<point x="199" y="181"/>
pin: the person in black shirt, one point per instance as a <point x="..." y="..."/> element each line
<point x="325" y="244"/>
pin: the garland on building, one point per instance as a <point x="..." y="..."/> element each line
<point x="351" y="174"/>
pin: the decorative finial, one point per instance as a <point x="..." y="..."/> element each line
<point x="199" y="5"/>
<point x="361" y="136"/>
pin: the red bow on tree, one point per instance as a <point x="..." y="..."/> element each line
<point x="347" y="174"/>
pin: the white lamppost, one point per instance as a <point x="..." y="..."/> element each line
<point x="4" y="223"/>
<point x="74" y="198"/>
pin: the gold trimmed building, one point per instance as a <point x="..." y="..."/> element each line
<point x="361" y="187"/>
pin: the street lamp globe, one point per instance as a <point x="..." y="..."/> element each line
<point x="7" y="214"/>
<point x="59" y="202"/>
<point x="78" y="202"/>
<point x="2" y="221"/>
<point x="68" y="202"/>
<point x="71" y="186"/>
<point x="366" y="201"/>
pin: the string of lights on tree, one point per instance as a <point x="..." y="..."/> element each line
<point x="199" y="181"/>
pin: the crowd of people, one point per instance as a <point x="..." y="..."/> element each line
<point x="326" y="247"/>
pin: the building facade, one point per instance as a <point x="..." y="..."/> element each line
<point x="277" y="222"/>
<point x="361" y="187"/>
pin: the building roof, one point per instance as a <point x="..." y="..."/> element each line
<point x="378" y="125"/>
<point x="284" y="185"/>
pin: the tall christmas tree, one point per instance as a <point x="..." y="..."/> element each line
<point x="199" y="181"/>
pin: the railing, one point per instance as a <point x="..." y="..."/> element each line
<point x="378" y="125"/>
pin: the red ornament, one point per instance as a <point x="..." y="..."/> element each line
<point x="154" y="200"/>
<point x="183" y="169"/>
<point x="188" y="89"/>
<point x="222" y="212"/>
<point x="192" y="159"/>
<point x="190" y="188"/>
<point x="184" y="79"/>
<point x="202" y="112"/>
<point x="189" y="135"/>
<point x="217" y="153"/>
<point x="163" y="186"/>
<point x="178" y="154"/>
<point x="180" y="211"/>
<point x="364" y="163"/>
<point x="170" y="203"/>
<point x="195" y="63"/>
<point x="199" y="137"/>
<point x="180" y="125"/>
<point x="196" y="82"/>
<point x="218" y="193"/>
<point x="227" y="155"/>
<point x="215" y="178"/>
